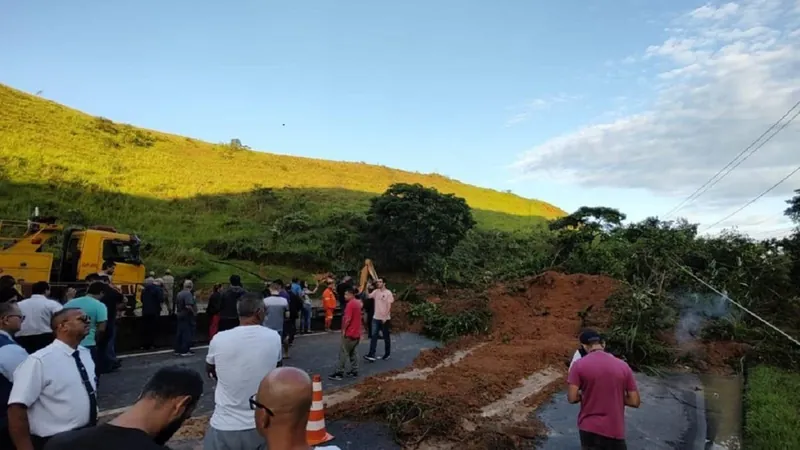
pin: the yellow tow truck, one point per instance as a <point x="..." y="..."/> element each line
<point x="81" y="252"/>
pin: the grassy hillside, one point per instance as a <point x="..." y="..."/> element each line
<point x="193" y="201"/>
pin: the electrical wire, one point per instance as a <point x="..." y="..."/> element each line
<point x="797" y="169"/>
<point x="742" y="307"/>
<point x="733" y="164"/>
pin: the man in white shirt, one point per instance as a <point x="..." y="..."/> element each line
<point x="11" y="356"/>
<point x="55" y="388"/>
<point x="238" y="359"/>
<point x="38" y="310"/>
<point x="381" y="321"/>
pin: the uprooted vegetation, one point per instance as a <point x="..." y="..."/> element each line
<point x="467" y="389"/>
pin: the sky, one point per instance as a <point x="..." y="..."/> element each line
<point x="632" y="104"/>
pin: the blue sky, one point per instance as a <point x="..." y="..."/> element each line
<point x="475" y="90"/>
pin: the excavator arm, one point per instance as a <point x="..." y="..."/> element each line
<point x="367" y="272"/>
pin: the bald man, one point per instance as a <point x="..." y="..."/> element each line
<point x="282" y="424"/>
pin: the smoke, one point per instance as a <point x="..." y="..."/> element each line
<point x="695" y="310"/>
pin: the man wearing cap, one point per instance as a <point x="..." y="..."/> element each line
<point x="603" y="385"/>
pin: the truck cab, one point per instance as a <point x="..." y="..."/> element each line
<point x="84" y="250"/>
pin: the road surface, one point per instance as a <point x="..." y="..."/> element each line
<point x="317" y="354"/>
<point x="672" y="416"/>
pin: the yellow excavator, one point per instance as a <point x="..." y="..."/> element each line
<point x="82" y="252"/>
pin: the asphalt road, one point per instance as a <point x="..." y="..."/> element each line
<point x="671" y="417"/>
<point x="317" y="354"/>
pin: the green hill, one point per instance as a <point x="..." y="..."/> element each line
<point x="193" y="201"/>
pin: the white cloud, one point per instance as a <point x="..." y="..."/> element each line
<point x="529" y="109"/>
<point x="728" y="71"/>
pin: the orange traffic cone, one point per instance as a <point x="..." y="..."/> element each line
<point x="315" y="429"/>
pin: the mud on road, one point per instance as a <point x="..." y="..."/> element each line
<point x="480" y="390"/>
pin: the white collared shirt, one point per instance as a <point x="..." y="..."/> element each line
<point x="11" y="356"/>
<point x="50" y="385"/>
<point x="38" y="310"/>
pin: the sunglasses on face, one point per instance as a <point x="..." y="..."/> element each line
<point x="255" y="405"/>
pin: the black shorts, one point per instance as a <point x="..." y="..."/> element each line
<point x="593" y="441"/>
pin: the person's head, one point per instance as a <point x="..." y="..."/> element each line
<point x="275" y="288"/>
<point x="41" y="288"/>
<point x="10" y="318"/>
<point x="188" y="285"/>
<point x="7" y="281"/>
<point x="148" y="281"/>
<point x="592" y="340"/>
<point x="295" y="280"/>
<point x="169" y="398"/>
<point x="167" y="272"/>
<point x="251" y="309"/>
<point x="109" y="266"/>
<point x="380" y="283"/>
<point x="96" y="290"/>
<point x="282" y="404"/>
<point x="70" y="325"/>
<point x="152" y="274"/>
<point x="280" y="284"/>
<point x="217" y="287"/>
<point x="235" y="280"/>
<point x="158" y="282"/>
<point x="92" y="277"/>
<point x="349" y="293"/>
<point x="304" y="284"/>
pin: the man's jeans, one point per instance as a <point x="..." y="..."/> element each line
<point x="380" y="327"/>
<point x="305" y="321"/>
<point x="184" y="335"/>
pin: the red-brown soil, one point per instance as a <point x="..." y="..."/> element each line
<point x="534" y="326"/>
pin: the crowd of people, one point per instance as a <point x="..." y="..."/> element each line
<point x="53" y="352"/>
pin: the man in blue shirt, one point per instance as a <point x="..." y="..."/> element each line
<point x="97" y="313"/>
<point x="11" y="356"/>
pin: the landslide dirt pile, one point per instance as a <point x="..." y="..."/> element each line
<point x="535" y="325"/>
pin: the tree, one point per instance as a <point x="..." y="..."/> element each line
<point x="793" y="211"/>
<point x="410" y="223"/>
<point x="594" y="217"/>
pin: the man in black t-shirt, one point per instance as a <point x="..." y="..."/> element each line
<point x="167" y="400"/>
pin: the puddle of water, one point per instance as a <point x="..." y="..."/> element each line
<point x="723" y="399"/>
<point x="511" y="404"/>
<point x="421" y="374"/>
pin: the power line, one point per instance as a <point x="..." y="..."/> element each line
<point x="797" y="169"/>
<point x="689" y="272"/>
<point x="733" y="164"/>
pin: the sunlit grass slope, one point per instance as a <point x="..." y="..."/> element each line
<point x="194" y="202"/>
<point x="45" y="138"/>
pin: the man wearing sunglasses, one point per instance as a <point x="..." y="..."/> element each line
<point x="11" y="356"/>
<point x="167" y="400"/>
<point x="54" y="390"/>
<point x="282" y="406"/>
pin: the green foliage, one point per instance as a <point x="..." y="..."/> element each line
<point x="638" y="316"/>
<point x="772" y="415"/>
<point x="486" y="256"/>
<point x="592" y="217"/>
<point x="443" y="326"/>
<point x="408" y="224"/>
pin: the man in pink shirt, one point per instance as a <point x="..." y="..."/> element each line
<point x="604" y="385"/>
<point x="351" y="336"/>
<point x="383" y="299"/>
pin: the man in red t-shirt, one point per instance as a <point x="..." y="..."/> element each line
<point x="351" y="336"/>
<point x="604" y="385"/>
